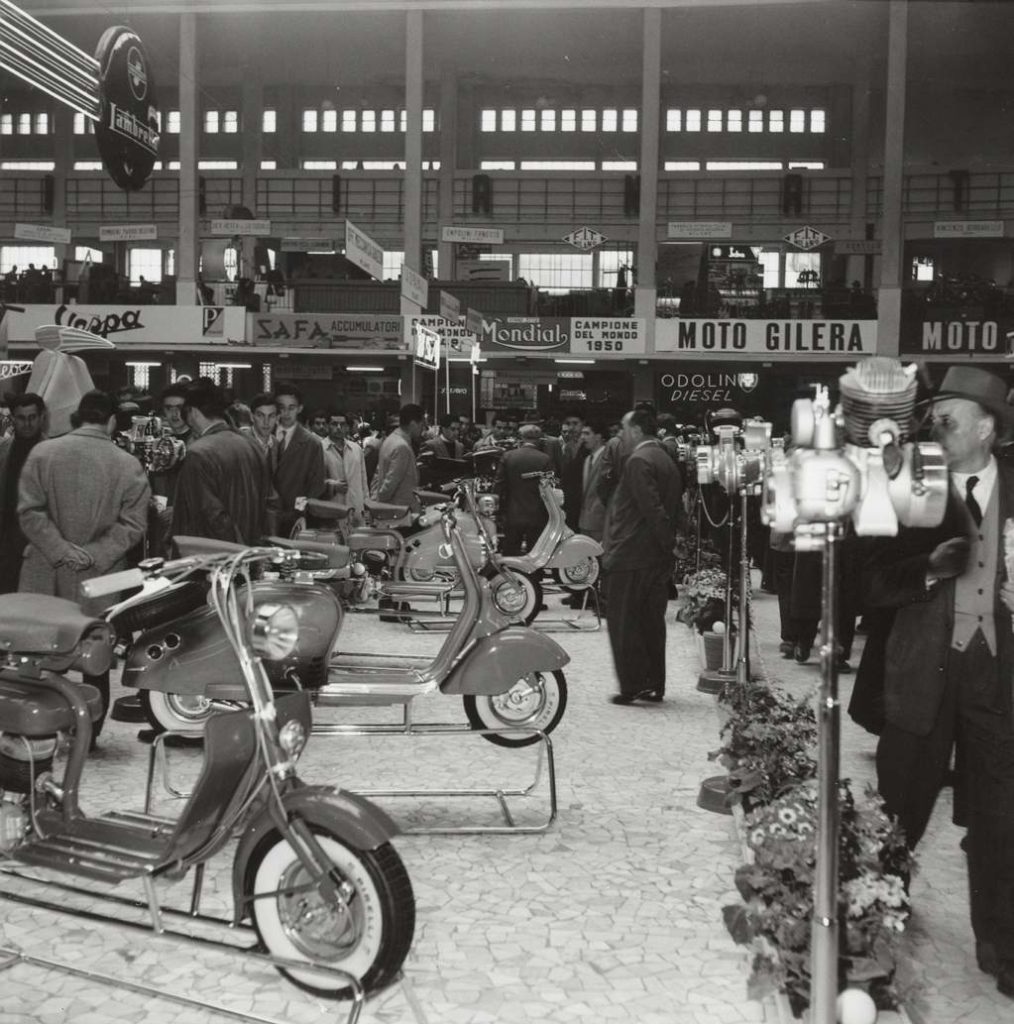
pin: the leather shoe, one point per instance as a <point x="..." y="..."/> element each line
<point x="802" y="653"/>
<point x="786" y="648"/>
<point x="629" y="698"/>
<point x="985" y="955"/>
<point x="1005" y="978"/>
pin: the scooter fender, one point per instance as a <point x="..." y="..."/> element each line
<point x="574" y="550"/>
<point x="351" y="818"/>
<point x="495" y="663"/>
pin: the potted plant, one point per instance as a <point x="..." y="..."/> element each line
<point x="777" y="890"/>
<point x="703" y="594"/>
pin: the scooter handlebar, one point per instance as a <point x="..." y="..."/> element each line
<point x="112" y="583"/>
<point x="538" y="474"/>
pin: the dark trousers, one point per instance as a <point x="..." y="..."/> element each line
<point x="101" y="683"/>
<point x="518" y="535"/>
<point x="636" y="619"/>
<point x="794" y="588"/>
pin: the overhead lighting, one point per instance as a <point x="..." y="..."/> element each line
<point x="365" y="369"/>
<point x="576" y="362"/>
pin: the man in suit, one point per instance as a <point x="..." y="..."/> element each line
<point x="299" y="469"/>
<point x="524" y="513"/>
<point x="573" y="456"/>
<point x="83" y="504"/>
<point x="592" y="516"/>
<point x="224" y="483"/>
<point x="397" y="477"/>
<point x="29" y="416"/>
<point x="438" y="451"/>
<point x="949" y="661"/>
<point x="638" y="560"/>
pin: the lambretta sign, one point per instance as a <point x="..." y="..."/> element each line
<point x="834" y="338"/>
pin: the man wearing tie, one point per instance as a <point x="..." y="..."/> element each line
<point x="592" y="516"/>
<point x="949" y="661"/>
<point x="299" y="470"/>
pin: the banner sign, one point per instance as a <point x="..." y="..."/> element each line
<point x="474" y="321"/>
<point x="984" y="338"/>
<point x="488" y="236"/>
<point x="427" y="347"/>
<point x="292" y="370"/>
<point x="414" y="286"/>
<point x="240" y="226"/>
<point x="531" y="335"/>
<point x="128" y="232"/>
<point x="857" y="247"/>
<point x="363" y="251"/>
<point x="968" y="229"/>
<point x="348" y="332"/>
<point x="833" y="338"/>
<point x="450" y="307"/>
<point x="459" y="342"/>
<point x="136" y="325"/>
<point x="42" y="233"/>
<point x="604" y="335"/>
<point x="806" y="238"/>
<point x="585" y="238"/>
<point x="694" y="229"/>
<point x="307" y="245"/>
<point x="715" y="388"/>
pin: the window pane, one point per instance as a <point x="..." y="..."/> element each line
<point x="392" y="265"/>
<point x="20" y="256"/>
<point x="173" y="122"/>
<point x="776" y="121"/>
<point x="714" y="120"/>
<point x="403" y="120"/>
<point x="806" y="165"/>
<point x="797" y="120"/>
<point x="674" y="120"/>
<point x="588" y="120"/>
<point x="309" y="120"/>
<point x="488" y="121"/>
<point x="429" y="120"/>
<point x="619" y="165"/>
<point x="743" y="165"/>
<point x="556" y="271"/>
<point x="558" y="165"/>
<point x="42" y="123"/>
<point x="27" y="165"/>
<point x="497" y="165"/>
<point x="387" y="120"/>
<point x="24" y="124"/>
<point x="87" y="165"/>
<point x="348" y="120"/>
<point x="568" y="120"/>
<point x="734" y="120"/>
<point x="230" y="122"/>
<point x="320" y="165"/>
<point x="146" y="263"/>
<point x="211" y="121"/>
<point x="769" y="261"/>
<point x="610" y="261"/>
<point x="269" y="165"/>
<point x="756" y="120"/>
<point x="630" y="120"/>
<point x="818" y="121"/>
<point x="609" y="120"/>
<point x="329" y="121"/>
<point x="217" y="165"/>
<point x="796" y="263"/>
<point x="692" y="122"/>
<point x="682" y="165"/>
<point x="84" y="252"/>
<point x="508" y="120"/>
<point x="269" y="121"/>
<point x="7" y="124"/>
<point x="528" y="120"/>
<point x="548" y="121"/>
<point x="368" y="121"/>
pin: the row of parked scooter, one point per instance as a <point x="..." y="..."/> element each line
<point x="243" y="646"/>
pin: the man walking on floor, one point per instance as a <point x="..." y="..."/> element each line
<point x="639" y="539"/>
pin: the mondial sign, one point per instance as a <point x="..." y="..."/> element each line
<point x="834" y="338"/>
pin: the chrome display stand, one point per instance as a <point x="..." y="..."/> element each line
<point x="545" y="763"/>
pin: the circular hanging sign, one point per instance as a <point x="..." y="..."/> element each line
<point x="127" y="131"/>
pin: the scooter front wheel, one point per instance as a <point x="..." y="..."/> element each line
<point x="177" y="712"/>
<point x="516" y="595"/>
<point x="367" y="933"/>
<point x="581" y="576"/>
<point x="536" y="701"/>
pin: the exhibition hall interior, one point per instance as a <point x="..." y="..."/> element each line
<point x="506" y="511"/>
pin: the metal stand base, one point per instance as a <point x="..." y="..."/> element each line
<point x="158" y="763"/>
<point x="10" y="958"/>
<point x="713" y="795"/>
<point x="574" y="623"/>
<point x="715" y="681"/>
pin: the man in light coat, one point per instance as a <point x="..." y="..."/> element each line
<point x="345" y="466"/>
<point x="397" y="477"/>
<point x="82" y="504"/>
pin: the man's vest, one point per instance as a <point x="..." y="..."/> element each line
<point x="974" y="589"/>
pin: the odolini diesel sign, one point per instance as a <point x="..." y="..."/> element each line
<point x="835" y="339"/>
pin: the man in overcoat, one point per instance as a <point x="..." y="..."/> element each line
<point x="524" y="512"/>
<point x="949" y="661"/>
<point x="29" y="416"/>
<point x="299" y="458"/>
<point x="397" y="477"/>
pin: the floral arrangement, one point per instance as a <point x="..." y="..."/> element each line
<point x="703" y="595"/>
<point x="777" y="890"/>
<point x="767" y="742"/>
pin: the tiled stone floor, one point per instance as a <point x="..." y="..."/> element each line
<point x="614" y="915"/>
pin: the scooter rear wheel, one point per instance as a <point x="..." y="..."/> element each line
<point x="292" y="919"/>
<point x="177" y="712"/>
<point x="536" y="701"/>
<point x="516" y="595"/>
<point x="577" y="578"/>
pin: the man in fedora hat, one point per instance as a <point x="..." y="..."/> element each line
<point x="949" y="659"/>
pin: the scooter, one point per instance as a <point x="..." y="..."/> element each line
<point x="313" y="869"/>
<point x="509" y="676"/>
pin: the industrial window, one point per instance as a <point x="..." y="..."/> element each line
<point x="27" y="165"/>
<point x="172" y="122"/>
<point x="87" y="165"/>
<point x="508" y="120"/>
<point x="556" y="272"/>
<point x="173" y="165"/>
<point x="674" y="120"/>
<point x="488" y="121"/>
<point x="922" y="268"/>
<point x="755" y="121"/>
<point x="610" y="261"/>
<point x="269" y="121"/>
<point x="217" y="165"/>
<point x="568" y="120"/>
<point x="320" y="165"/>
<point x="743" y="165"/>
<point x="797" y="121"/>
<point x="85" y="252"/>
<point x="528" y="120"/>
<point x="776" y="120"/>
<point x="497" y="165"/>
<point x="309" y="120"/>
<point x="146" y="263"/>
<point x="329" y="120"/>
<point x="348" y="120"/>
<point x="692" y="121"/>
<point x="798" y="262"/>
<point x="589" y="119"/>
<point x="547" y="121"/>
<point x="818" y="121"/>
<point x="619" y="165"/>
<point x="431" y="165"/>
<point x="806" y="165"/>
<point x="211" y="122"/>
<point x="429" y="120"/>
<point x="269" y="165"/>
<point x="383" y="165"/>
<point x="42" y="123"/>
<point x="682" y="165"/>
<point x="140" y="374"/>
<point x="609" y="120"/>
<point x="230" y="122"/>
<point x="387" y="122"/>
<point x="714" y="120"/>
<point x="770" y="260"/>
<point x="7" y="124"/>
<point x="558" y="165"/>
<point x="24" y="124"/>
<point x="734" y="120"/>
<point x="630" y="120"/>
<point x="20" y="256"/>
<point x="392" y="265"/>
<point x="368" y="121"/>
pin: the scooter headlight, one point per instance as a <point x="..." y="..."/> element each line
<point x="292" y="738"/>
<point x="275" y="631"/>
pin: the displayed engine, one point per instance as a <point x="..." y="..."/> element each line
<point x="152" y="443"/>
<point x="736" y="461"/>
<point x="858" y="460"/>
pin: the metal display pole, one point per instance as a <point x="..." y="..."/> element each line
<point x="698" y="500"/>
<point x="743" y="661"/>
<point x="714" y="681"/>
<point x="824" y="962"/>
<point x="447" y="384"/>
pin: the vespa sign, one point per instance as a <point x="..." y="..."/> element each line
<point x="136" y="325"/>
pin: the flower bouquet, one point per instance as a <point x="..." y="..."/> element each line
<point x="703" y="599"/>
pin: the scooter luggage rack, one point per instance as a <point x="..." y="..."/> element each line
<point x="158" y="764"/>
<point x="10" y="958"/>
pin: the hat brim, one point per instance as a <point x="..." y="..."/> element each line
<point x="1003" y="412"/>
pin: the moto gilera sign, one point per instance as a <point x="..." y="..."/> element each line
<point x="838" y="339"/>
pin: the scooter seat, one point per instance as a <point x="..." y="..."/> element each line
<point x="199" y="546"/>
<point x="26" y="709"/>
<point x="40" y="624"/>
<point x="369" y="540"/>
<point x="319" y="508"/>
<point x="337" y="555"/>
<point x="383" y="510"/>
<point x="432" y="497"/>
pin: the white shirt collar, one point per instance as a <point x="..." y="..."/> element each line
<point x="285" y="433"/>
<point x="983" y="490"/>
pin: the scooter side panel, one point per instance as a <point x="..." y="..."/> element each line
<point x="353" y="819"/>
<point x="495" y="663"/>
<point x="575" y="549"/>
